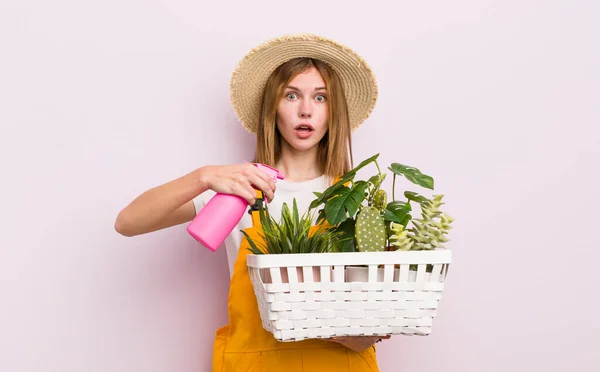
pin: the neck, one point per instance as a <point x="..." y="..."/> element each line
<point x="299" y="166"/>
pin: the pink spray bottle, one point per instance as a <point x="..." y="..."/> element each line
<point x="221" y="214"/>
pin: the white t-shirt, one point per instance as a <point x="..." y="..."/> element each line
<point x="285" y="192"/>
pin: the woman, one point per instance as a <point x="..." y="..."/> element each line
<point x="302" y="95"/>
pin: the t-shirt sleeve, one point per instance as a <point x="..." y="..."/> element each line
<point x="201" y="200"/>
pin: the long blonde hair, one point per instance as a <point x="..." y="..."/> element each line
<point x="335" y="149"/>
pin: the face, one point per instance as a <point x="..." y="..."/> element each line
<point x="302" y="111"/>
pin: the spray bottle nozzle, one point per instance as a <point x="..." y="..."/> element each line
<point x="276" y="174"/>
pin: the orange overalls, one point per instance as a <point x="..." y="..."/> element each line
<point x="245" y="346"/>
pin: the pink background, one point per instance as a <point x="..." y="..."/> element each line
<point x="99" y="101"/>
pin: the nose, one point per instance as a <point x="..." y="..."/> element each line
<point x="305" y="109"/>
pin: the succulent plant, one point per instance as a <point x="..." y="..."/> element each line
<point x="430" y="230"/>
<point x="399" y="237"/>
<point x="370" y="230"/>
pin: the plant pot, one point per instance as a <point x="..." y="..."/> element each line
<point x="361" y="274"/>
<point x="267" y="274"/>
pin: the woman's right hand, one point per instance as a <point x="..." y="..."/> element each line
<point x="238" y="179"/>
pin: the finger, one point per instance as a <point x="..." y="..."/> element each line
<point x="251" y="194"/>
<point x="258" y="178"/>
<point x="265" y="177"/>
<point x="262" y="185"/>
<point x="245" y="191"/>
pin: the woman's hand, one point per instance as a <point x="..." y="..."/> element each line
<point x="238" y="179"/>
<point x="358" y="343"/>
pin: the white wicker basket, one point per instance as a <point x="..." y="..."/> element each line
<point x="322" y="295"/>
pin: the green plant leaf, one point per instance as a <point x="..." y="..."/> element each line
<point x="406" y="220"/>
<point x="253" y="247"/>
<point x="413" y="196"/>
<point x="291" y="234"/>
<point x="345" y="203"/>
<point x="396" y="211"/>
<point x="321" y="215"/>
<point x="324" y="196"/>
<point x="336" y="187"/>
<point x="412" y="174"/>
<point x="345" y="237"/>
<point x="350" y="174"/>
<point x="374" y="180"/>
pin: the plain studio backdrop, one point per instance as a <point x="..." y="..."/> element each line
<point x="499" y="101"/>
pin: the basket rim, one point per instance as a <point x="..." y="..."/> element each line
<point x="434" y="256"/>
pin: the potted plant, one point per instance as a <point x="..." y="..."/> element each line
<point x="313" y="272"/>
<point x="359" y="213"/>
<point x="293" y="234"/>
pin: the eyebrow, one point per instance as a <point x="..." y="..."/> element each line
<point x="294" y="88"/>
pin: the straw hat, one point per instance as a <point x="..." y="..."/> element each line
<point x="250" y="77"/>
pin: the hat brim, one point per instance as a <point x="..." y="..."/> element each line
<point x="250" y="77"/>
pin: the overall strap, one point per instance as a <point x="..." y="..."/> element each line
<point x="254" y="210"/>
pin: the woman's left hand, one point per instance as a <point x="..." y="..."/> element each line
<point x="358" y="343"/>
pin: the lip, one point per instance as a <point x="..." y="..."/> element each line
<point x="304" y="134"/>
<point x="304" y="125"/>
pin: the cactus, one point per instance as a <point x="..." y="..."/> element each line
<point x="380" y="200"/>
<point x="370" y="230"/>
<point x="429" y="232"/>
<point x="399" y="237"/>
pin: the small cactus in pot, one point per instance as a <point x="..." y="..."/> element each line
<point x="370" y="230"/>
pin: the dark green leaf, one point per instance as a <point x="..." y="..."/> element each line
<point x="334" y="189"/>
<point x="412" y="174"/>
<point x="345" y="203"/>
<point x="345" y="231"/>
<point x="405" y="220"/>
<point x="321" y="215"/>
<point x="413" y="196"/>
<point x="396" y="211"/>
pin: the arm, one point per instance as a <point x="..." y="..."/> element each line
<point x="162" y="206"/>
<point x="171" y="203"/>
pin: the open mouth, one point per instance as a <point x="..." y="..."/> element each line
<point x="304" y="128"/>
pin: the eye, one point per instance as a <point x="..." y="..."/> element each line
<point x="321" y="98"/>
<point x="292" y="96"/>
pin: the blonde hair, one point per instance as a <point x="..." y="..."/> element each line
<point x="335" y="149"/>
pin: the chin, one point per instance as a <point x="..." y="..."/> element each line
<point x="304" y="146"/>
